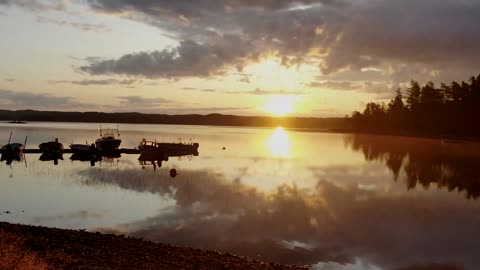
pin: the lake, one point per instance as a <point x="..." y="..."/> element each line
<point x="332" y="201"/>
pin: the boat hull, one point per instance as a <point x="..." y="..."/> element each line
<point x="81" y="148"/>
<point x="165" y="150"/>
<point x="108" y="144"/>
<point x="55" y="147"/>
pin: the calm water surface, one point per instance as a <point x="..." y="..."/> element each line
<point x="332" y="201"/>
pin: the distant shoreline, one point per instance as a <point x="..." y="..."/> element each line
<point x="188" y="119"/>
<point x="305" y="124"/>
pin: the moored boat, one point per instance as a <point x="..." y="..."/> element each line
<point x="53" y="146"/>
<point x="167" y="149"/>
<point x="108" y="139"/>
<point x="82" y="148"/>
<point x="12" y="151"/>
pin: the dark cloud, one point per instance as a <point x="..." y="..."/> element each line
<point x="441" y="38"/>
<point x="76" y="25"/>
<point x="228" y="33"/>
<point x="432" y="266"/>
<point x="10" y="79"/>
<point x="398" y="34"/>
<point x="26" y="100"/>
<point x="187" y="60"/>
<point x="381" y="89"/>
<point x="336" y="85"/>
<point x="99" y="82"/>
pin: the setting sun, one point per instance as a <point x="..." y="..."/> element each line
<point x="279" y="105"/>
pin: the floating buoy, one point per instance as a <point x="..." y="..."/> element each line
<point x="173" y="173"/>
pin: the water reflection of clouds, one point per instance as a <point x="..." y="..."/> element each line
<point x="338" y="223"/>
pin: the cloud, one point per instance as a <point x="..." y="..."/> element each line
<point x="26" y="100"/>
<point x="189" y="59"/>
<point x="336" y="85"/>
<point x="98" y="82"/>
<point x="260" y="92"/>
<point x="338" y="36"/>
<point x="432" y="266"/>
<point x="10" y="79"/>
<point x="142" y="102"/>
<point x="77" y="25"/>
<point x="37" y="5"/>
<point x="229" y="33"/>
<point x="404" y="33"/>
<point x="209" y="90"/>
<point x="382" y="90"/>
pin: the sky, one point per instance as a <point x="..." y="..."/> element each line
<point x="320" y="58"/>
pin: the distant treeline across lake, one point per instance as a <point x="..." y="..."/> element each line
<point x="334" y="124"/>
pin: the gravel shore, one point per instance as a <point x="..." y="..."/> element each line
<point x="30" y="247"/>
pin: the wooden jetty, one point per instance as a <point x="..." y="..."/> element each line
<point x="69" y="151"/>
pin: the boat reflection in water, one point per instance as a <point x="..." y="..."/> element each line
<point x="155" y="159"/>
<point x="51" y="156"/>
<point x="10" y="157"/>
<point x="86" y="156"/>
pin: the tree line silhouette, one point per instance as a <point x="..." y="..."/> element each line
<point x="448" y="110"/>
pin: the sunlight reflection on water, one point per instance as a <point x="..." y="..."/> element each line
<point x="279" y="143"/>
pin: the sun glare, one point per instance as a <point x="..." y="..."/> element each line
<point x="279" y="105"/>
<point x="270" y="73"/>
<point x="279" y="143"/>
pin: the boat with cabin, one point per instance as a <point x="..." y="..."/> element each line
<point x="12" y="151"/>
<point x="51" y="147"/>
<point x="108" y="139"/>
<point x="82" y="148"/>
<point x="149" y="148"/>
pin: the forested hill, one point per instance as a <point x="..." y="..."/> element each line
<point x="451" y="110"/>
<point x="336" y="124"/>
